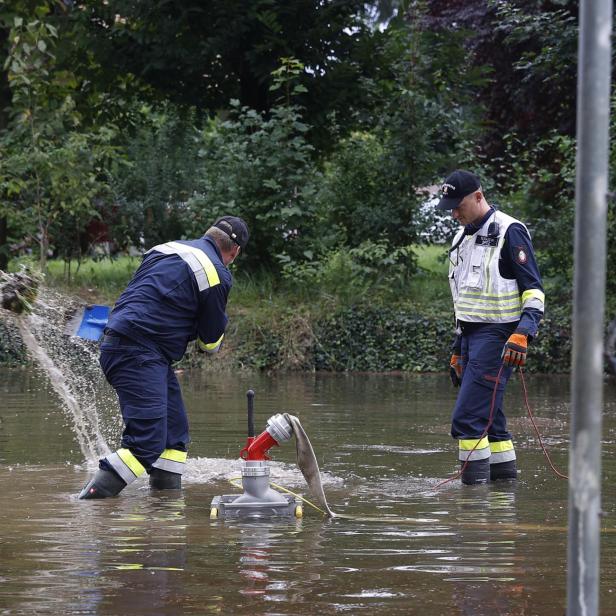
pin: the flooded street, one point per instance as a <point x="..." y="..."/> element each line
<point x="383" y="445"/>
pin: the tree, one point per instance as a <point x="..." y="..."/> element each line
<point x="50" y="168"/>
<point x="202" y="54"/>
<point x="259" y="168"/>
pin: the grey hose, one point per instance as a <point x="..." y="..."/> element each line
<point x="307" y="462"/>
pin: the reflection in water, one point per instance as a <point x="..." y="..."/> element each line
<point x="258" y="558"/>
<point x="383" y="442"/>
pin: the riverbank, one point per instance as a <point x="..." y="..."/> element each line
<point x="341" y="325"/>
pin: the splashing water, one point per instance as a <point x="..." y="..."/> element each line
<point x="207" y="470"/>
<point x="71" y="366"/>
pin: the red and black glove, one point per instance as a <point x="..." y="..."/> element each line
<point x="514" y="351"/>
<point x="456" y="369"/>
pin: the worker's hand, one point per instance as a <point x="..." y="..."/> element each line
<point x="456" y="368"/>
<point x="514" y="351"/>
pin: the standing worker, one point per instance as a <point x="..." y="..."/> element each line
<point x="178" y="294"/>
<point x="498" y="300"/>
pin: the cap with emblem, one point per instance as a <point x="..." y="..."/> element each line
<point x="458" y="185"/>
<point x="235" y="228"/>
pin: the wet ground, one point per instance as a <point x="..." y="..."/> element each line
<point x="382" y="442"/>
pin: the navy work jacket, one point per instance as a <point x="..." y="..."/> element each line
<point x="162" y="307"/>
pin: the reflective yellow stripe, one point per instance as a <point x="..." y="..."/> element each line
<point x="204" y="260"/>
<point x="464" y="307"/>
<point x="208" y="266"/>
<point x="488" y="305"/>
<point x="490" y="296"/>
<point x="174" y="454"/>
<point x="129" y="459"/>
<point x="533" y="293"/>
<point x="469" y="443"/>
<point x="210" y="346"/>
<point x="501" y="446"/>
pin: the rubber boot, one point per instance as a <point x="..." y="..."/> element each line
<point x="103" y="485"/>
<point x="504" y="470"/>
<point x="476" y="471"/>
<point x="165" y="480"/>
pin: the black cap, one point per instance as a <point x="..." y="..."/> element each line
<point x="458" y="185"/>
<point x="235" y="228"/>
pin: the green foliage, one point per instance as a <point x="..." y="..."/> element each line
<point x="151" y="192"/>
<point x="259" y="168"/>
<point x="286" y="78"/>
<point x="372" y="268"/>
<point x="203" y="54"/>
<point x="539" y="41"/>
<point x="542" y="195"/>
<point x="51" y="169"/>
<point x="376" y="338"/>
<point x="430" y="113"/>
<point x="362" y="198"/>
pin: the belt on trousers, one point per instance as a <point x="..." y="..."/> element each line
<point x="117" y="340"/>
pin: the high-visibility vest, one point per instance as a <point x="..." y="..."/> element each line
<point x="480" y="293"/>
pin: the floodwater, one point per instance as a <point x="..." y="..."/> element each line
<point x="383" y="446"/>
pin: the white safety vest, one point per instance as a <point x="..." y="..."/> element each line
<point x="480" y="293"/>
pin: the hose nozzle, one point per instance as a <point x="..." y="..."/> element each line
<point x="278" y="431"/>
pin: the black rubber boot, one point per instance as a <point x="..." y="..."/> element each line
<point x="476" y="471"/>
<point x="165" y="480"/>
<point x="103" y="485"/>
<point x="504" y="470"/>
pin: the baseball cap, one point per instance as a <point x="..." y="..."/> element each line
<point x="235" y="228"/>
<point x="457" y="185"/>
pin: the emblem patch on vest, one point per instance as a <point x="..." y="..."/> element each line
<point x="486" y="240"/>
<point x="520" y="255"/>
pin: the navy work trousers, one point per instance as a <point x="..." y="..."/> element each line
<point x="150" y="399"/>
<point x="482" y="349"/>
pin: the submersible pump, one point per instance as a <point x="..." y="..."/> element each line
<point x="259" y="500"/>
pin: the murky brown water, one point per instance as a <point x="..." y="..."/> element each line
<point x="383" y="444"/>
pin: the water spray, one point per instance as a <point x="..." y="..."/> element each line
<point x="18" y="291"/>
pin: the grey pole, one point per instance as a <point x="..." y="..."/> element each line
<point x="593" y="115"/>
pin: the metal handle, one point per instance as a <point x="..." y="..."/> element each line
<point x="250" y="395"/>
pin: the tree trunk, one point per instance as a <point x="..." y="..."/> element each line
<point x="5" y="102"/>
<point x="44" y="246"/>
<point x="4" y="245"/>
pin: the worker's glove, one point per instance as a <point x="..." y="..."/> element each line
<point x="456" y="368"/>
<point x="514" y="351"/>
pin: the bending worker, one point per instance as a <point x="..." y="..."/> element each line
<point x="178" y="294"/>
<point x="498" y="300"/>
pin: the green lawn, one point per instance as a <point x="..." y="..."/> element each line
<point x="103" y="280"/>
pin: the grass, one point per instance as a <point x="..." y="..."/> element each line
<point x="430" y="285"/>
<point x="102" y="281"/>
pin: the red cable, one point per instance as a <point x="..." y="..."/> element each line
<point x="491" y="418"/>
<point x="532" y="419"/>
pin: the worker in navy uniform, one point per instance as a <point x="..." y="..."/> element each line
<point x="178" y="294"/>
<point x="498" y="300"/>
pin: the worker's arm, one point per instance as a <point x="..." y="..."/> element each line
<point x="518" y="261"/>
<point x="212" y="318"/>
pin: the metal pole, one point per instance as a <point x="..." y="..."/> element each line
<point x="250" y="395"/>
<point x="593" y="115"/>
